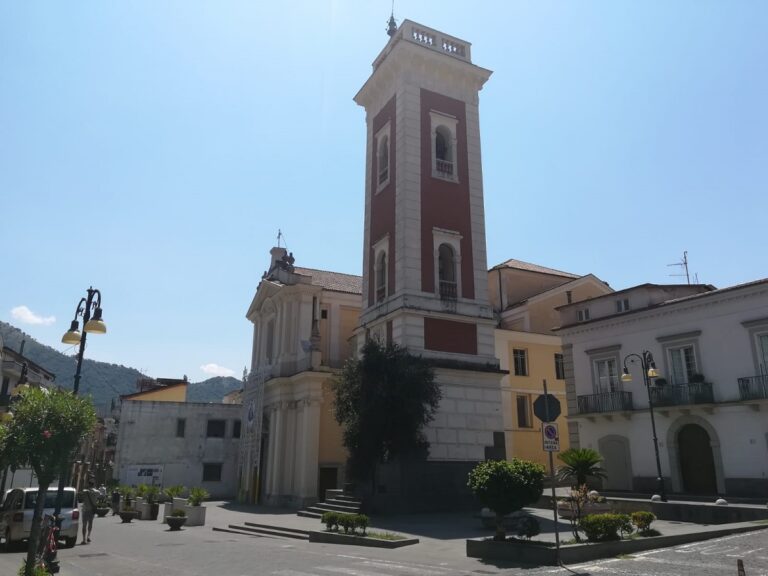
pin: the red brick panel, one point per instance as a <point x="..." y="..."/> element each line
<point x="449" y="336"/>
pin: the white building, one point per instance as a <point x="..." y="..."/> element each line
<point x="168" y="443"/>
<point x="711" y="350"/>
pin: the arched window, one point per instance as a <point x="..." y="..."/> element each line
<point x="446" y="271"/>
<point x="381" y="276"/>
<point x="383" y="159"/>
<point x="443" y="151"/>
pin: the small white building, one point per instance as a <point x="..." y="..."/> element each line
<point x="169" y="443"/>
<point x="710" y="400"/>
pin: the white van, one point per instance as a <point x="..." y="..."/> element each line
<point x="19" y="506"/>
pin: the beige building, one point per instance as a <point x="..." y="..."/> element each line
<point x="303" y="319"/>
<point x="528" y="349"/>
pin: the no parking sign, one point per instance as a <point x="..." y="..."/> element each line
<point x="550" y="437"/>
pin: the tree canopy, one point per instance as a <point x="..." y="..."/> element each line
<point x="506" y="486"/>
<point x="383" y="400"/>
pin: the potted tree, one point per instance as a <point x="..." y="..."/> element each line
<point x="177" y="519"/>
<point x="142" y="506"/>
<point x="102" y="506"/>
<point x="194" y="508"/>
<point x="579" y="465"/>
<point x="506" y="487"/>
<point x="127" y="494"/>
<point x="151" y="498"/>
<point x="173" y="500"/>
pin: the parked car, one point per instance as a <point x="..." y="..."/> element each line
<point x="19" y="506"/>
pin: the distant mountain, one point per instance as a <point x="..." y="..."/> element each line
<point x="102" y="380"/>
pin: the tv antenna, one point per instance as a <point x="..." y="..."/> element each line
<point x="281" y="237"/>
<point x="684" y="265"/>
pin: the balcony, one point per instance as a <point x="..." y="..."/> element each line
<point x="447" y="290"/>
<point x="605" y="402"/>
<point x="444" y="168"/>
<point x="682" y="394"/>
<point x="753" y="388"/>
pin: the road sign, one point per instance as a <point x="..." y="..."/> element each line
<point x="546" y="408"/>
<point x="550" y="437"/>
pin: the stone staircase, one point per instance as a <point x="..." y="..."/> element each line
<point x="335" y="501"/>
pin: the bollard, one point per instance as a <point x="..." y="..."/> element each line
<point x="740" y="566"/>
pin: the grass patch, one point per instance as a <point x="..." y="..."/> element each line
<point x="384" y="535"/>
<point x="763" y="521"/>
<point x="625" y="557"/>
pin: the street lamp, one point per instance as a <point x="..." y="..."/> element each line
<point x="649" y="373"/>
<point x="91" y="325"/>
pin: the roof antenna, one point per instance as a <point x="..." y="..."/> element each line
<point x="279" y="236"/>
<point x="683" y="264"/>
<point x="392" y="25"/>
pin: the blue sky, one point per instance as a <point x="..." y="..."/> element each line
<point x="153" y="149"/>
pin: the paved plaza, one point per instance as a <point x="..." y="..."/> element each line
<point x="150" y="549"/>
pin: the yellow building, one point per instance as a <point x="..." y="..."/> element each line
<point x="525" y="296"/>
<point x="159" y="390"/>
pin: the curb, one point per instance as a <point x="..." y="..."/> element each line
<point x="336" y="538"/>
<point x="576" y="553"/>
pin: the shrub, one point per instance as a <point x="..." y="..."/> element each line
<point x="141" y="490"/>
<point x="331" y="520"/>
<point x="580" y="464"/>
<point x="178" y="513"/>
<point x="528" y="527"/>
<point x="643" y="520"/>
<point x="347" y="521"/>
<point x="361" y="521"/>
<point x="196" y="496"/>
<point x="174" y="491"/>
<point x="506" y="486"/>
<point x="604" y="527"/>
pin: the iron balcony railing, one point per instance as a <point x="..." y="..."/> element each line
<point x="682" y="394"/>
<point x="754" y="387"/>
<point x="447" y="290"/>
<point x="619" y="401"/>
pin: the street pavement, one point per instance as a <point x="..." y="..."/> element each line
<point x="151" y="549"/>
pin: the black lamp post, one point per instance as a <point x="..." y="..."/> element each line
<point x="91" y="325"/>
<point x="649" y="373"/>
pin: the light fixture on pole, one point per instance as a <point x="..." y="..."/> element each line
<point x="91" y="325"/>
<point x="648" y="367"/>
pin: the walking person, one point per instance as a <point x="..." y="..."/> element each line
<point x="89" y="497"/>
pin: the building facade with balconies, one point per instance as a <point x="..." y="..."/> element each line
<point x="711" y="397"/>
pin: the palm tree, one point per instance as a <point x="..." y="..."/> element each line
<point x="580" y="463"/>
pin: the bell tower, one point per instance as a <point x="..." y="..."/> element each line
<point x="424" y="264"/>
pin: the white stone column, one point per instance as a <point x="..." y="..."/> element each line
<point x="277" y="451"/>
<point x="289" y="449"/>
<point x="310" y="447"/>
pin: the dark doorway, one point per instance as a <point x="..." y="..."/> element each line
<point x="697" y="466"/>
<point x="328" y="480"/>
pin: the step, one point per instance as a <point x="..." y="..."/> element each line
<point x="235" y="530"/>
<point x="350" y="499"/>
<point x="271" y="531"/>
<point x="299" y="531"/>
<point x="333" y="493"/>
<point x="333" y="507"/>
<point x="308" y="514"/>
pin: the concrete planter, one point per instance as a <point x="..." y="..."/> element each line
<point x="358" y="540"/>
<point x="195" y="515"/>
<point x="564" y="509"/>
<point x="545" y="554"/>
<point x="178" y="503"/>
<point x="145" y="510"/>
<point x="167" y="509"/>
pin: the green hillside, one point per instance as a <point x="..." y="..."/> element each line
<point x="104" y="381"/>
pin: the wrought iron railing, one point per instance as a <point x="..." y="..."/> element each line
<point x="682" y="394"/>
<point x="447" y="290"/>
<point x="383" y="175"/>
<point x="618" y="401"/>
<point x="754" y="387"/>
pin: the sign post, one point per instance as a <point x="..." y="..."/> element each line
<point x="547" y="408"/>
